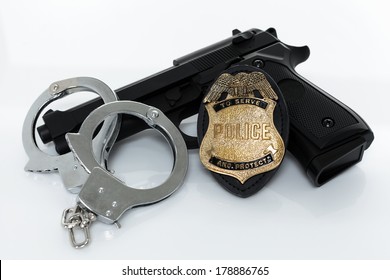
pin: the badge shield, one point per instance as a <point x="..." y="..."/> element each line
<point x="240" y="138"/>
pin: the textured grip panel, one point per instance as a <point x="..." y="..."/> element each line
<point x="308" y="106"/>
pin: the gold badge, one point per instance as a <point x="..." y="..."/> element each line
<point x="241" y="139"/>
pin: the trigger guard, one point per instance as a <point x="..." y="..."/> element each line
<point x="191" y="141"/>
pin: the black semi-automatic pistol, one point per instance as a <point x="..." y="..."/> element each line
<point x="326" y="136"/>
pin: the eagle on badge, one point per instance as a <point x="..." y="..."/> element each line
<point x="240" y="85"/>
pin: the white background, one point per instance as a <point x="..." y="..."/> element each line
<point x="121" y="42"/>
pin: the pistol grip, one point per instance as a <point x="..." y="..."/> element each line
<point x="326" y="136"/>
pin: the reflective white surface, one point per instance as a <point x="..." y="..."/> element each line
<point x="122" y="42"/>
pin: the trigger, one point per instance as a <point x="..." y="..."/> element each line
<point x="191" y="141"/>
<point x="187" y="129"/>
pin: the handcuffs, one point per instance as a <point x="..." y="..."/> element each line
<point x="101" y="196"/>
<point x="72" y="176"/>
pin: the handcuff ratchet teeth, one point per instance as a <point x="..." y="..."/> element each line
<point x="104" y="197"/>
<point x="72" y="176"/>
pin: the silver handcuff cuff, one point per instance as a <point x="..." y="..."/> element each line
<point x="102" y="196"/>
<point x="72" y="176"/>
<point x="105" y="197"/>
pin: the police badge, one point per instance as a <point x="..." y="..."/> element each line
<point x="243" y="127"/>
